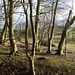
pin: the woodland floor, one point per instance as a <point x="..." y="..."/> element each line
<point x="54" y="64"/>
<point x="21" y="48"/>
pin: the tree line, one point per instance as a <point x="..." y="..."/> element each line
<point x="10" y="5"/>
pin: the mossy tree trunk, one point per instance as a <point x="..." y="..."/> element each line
<point x="31" y="61"/>
<point x="3" y="34"/>
<point x="11" y="29"/>
<point x="4" y="31"/>
<point x="37" y="23"/>
<point x="49" y="30"/>
<point x="32" y="71"/>
<point x="66" y="28"/>
<point x="30" y="57"/>
<point x="52" y="30"/>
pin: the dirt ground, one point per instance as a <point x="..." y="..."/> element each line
<point x="21" y="48"/>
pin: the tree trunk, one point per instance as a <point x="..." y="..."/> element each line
<point x="49" y="46"/>
<point x="30" y="58"/>
<point x="42" y="34"/>
<point x="11" y="30"/>
<point x="60" y="51"/>
<point x="52" y="30"/>
<point x="31" y="69"/>
<point x="49" y="42"/>
<point x="3" y="35"/>
<point x="33" y="35"/>
<point x="26" y="29"/>
<point x="65" y="31"/>
<point x="27" y="24"/>
<point x="37" y="22"/>
<point x="32" y="26"/>
<point x="2" y="38"/>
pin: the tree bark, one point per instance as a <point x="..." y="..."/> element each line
<point x="3" y="34"/>
<point x="31" y="69"/>
<point x="31" y="59"/>
<point x="52" y="30"/>
<point x="27" y="24"/>
<point x="32" y="26"/>
<point x="37" y="23"/>
<point x="65" y="31"/>
<point x="11" y="30"/>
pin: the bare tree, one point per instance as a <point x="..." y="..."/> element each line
<point x="52" y="30"/>
<point x="31" y="60"/>
<point x="11" y="30"/>
<point x="4" y="31"/>
<point x="64" y="33"/>
<point x="37" y="22"/>
<point x="27" y="24"/>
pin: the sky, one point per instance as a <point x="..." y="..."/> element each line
<point x="64" y="13"/>
<point x="68" y="3"/>
<point x="60" y="17"/>
<point x="63" y="16"/>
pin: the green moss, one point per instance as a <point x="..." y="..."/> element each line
<point x="44" y="66"/>
<point x="51" y="66"/>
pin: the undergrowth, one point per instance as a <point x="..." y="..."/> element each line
<point x="19" y="65"/>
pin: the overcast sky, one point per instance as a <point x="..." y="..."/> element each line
<point x="60" y="17"/>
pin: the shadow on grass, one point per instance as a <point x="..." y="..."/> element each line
<point x="4" y="53"/>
